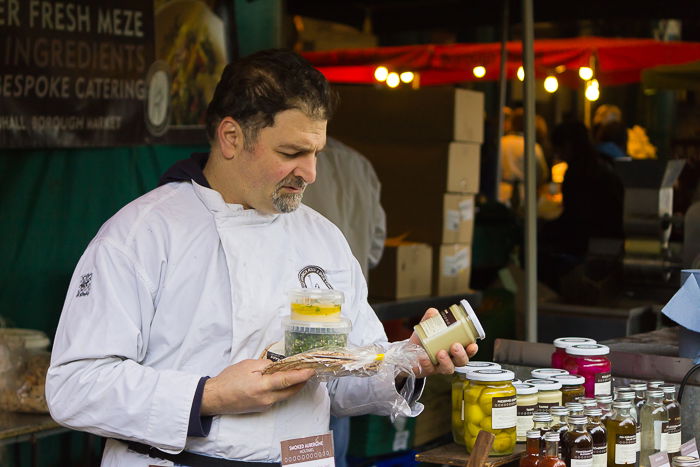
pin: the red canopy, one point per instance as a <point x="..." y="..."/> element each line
<point x="619" y="61"/>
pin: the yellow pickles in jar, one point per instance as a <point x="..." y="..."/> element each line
<point x="490" y="405"/>
<point x="459" y="381"/>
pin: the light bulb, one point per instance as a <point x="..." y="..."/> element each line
<point x="521" y="73"/>
<point x="392" y="80"/>
<point x="381" y="73"/>
<point x="479" y="71"/>
<point x="592" y="91"/>
<point x="406" y="77"/>
<point x="551" y="84"/>
<point x="585" y="73"/>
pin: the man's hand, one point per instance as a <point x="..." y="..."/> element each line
<point x="242" y="388"/>
<point x="458" y="356"/>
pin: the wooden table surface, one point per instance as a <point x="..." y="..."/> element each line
<point x="19" y="426"/>
<point x="454" y="454"/>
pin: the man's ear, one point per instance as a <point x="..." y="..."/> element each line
<point x="230" y="137"/>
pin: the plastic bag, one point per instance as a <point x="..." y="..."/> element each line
<point x="22" y="377"/>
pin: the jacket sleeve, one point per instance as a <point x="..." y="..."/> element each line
<point x="96" y="382"/>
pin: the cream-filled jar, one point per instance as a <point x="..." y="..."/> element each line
<point x="548" y="393"/>
<point x="526" y="397"/>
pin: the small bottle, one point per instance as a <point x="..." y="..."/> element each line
<point x="673" y="445"/>
<point x="548" y="393"/>
<point x="577" y="447"/>
<point x="526" y="395"/>
<point x="542" y="421"/>
<point x="685" y="461"/>
<point x="640" y="390"/>
<point x="560" y="423"/>
<point x="654" y="420"/>
<point x="600" y="437"/>
<point x="629" y="396"/>
<point x="619" y="389"/>
<point x="655" y="384"/>
<point x="551" y="456"/>
<point x="574" y="408"/>
<point x="572" y="389"/>
<point x="532" y="449"/>
<point x="622" y="436"/>
<point x="588" y="402"/>
<point x="605" y="404"/>
<point x="458" y="323"/>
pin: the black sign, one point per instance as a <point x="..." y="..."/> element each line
<point x="76" y="73"/>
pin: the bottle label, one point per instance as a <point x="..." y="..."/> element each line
<point x="581" y="457"/>
<point x="660" y="435"/>
<point x="603" y="383"/>
<point x="674" y="435"/>
<point x="600" y="455"/>
<point x="504" y="412"/>
<point x="625" y="452"/>
<point x="524" y="421"/>
<point x="544" y="406"/>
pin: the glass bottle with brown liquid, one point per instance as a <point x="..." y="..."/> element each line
<point x="542" y="421"/>
<point x="532" y="449"/>
<point x="600" y="437"/>
<point x="559" y="422"/>
<point x="622" y="436"/>
<point x="673" y="440"/>
<point x="640" y="394"/>
<point x="550" y="458"/>
<point x="577" y="446"/>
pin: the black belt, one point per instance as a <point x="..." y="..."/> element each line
<point x="191" y="459"/>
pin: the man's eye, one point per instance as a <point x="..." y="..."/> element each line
<point x="290" y="155"/>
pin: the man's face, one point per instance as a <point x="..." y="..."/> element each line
<point x="282" y="162"/>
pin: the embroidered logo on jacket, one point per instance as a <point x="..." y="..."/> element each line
<point x="314" y="277"/>
<point x="84" y="287"/>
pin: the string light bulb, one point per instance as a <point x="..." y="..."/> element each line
<point x="393" y="80"/>
<point x="381" y="73"/>
<point x="592" y="90"/>
<point x="551" y="84"/>
<point x="585" y="73"/>
<point x="479" y="71"/>
<point x="406" y="76"/>
<point x="521" y="73"/>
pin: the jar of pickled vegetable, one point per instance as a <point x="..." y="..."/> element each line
<point x="490" y="404"/>
<point x="548" y="393"/>
<point x="560" y="345"/>
<point x="572" y="389"/>
<point x="591" y="362"/>
<point x="458" y="382"/>
<point x="526" y="395"/>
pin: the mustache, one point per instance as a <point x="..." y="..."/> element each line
<point x="293" y="181"/>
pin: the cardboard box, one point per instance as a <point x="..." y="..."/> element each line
<point x="436" y="113"/>
<point x="415" y="178"/>
<point x="454" y="269"/>
<point x="457" y="218"/>
<point x="404" y="271"/>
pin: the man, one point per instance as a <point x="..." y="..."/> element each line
<point x="189" y="281"/>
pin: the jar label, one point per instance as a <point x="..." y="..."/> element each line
<point x="503" y="412"/>
<point x="625" y="452"/>
<point x="581" y="457"/>
<point x="524" y="421"/>
<point x="448" y="317"/>
<point x="674" y="435"/>
<point x="660" y="435"/>
<point x="603" y="383"/>
<point x="544" y="406"/>
<point x="434" y="325"/>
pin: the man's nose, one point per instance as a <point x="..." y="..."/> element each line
<point x="306" y="168"/>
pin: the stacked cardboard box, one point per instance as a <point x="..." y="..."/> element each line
<point x="425" y="146"/>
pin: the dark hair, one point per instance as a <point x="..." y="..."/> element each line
<point x="614" y="132"/>
<point x="571" y="139"/>
<point x="254" y="89"/>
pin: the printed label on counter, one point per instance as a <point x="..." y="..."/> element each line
<point x="660" y="459"/>
<point x="312" y="451"/>
<point x="625" y="452"/>
<point x="503" y="412"/>
<point x="690" y="448"/>
<point x="603" y="383"/>
<point x="524" y="421"/>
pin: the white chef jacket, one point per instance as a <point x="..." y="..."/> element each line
<point x="179" y="285"/>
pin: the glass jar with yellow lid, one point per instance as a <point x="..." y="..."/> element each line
<point x="526" y="396"/>
<point x="490" y="404"/>
<point x="572" y="389"/>
<point x="548" y="393"/>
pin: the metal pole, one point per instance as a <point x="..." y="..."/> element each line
<point x="530" y="175"/>
<point x="501" y="97"/>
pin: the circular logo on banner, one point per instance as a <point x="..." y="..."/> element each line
<point x="157" y="98"/>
